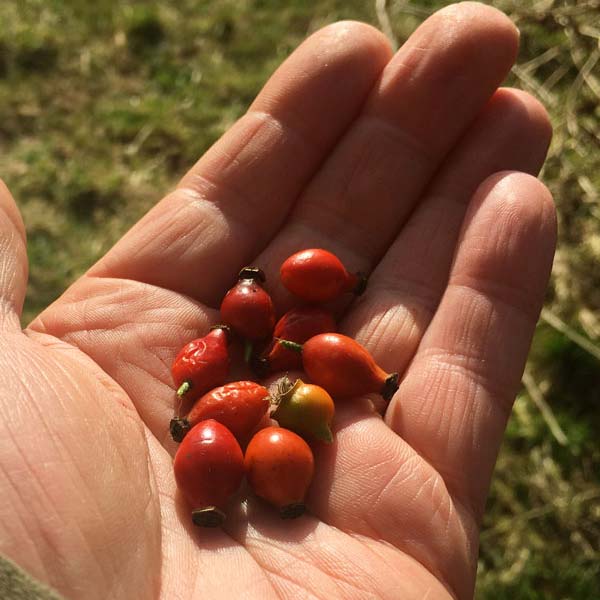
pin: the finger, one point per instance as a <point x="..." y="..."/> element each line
<point x="427" y="95"/>
<point x="234" y="199"/>
<point x="371" y="483"/>
<point x="13" y="261"/>
<point x="380" y="485"/>
<point x="454" y="402"/>
<point x="512" y="132"/>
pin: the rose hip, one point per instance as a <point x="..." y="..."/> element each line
<point x="247" y="307"/>
<point x="279" y="467"/>
<point x="297" y="325"/>
<point x="343" y="367"/>
<point x="239" y="406"/>
<point x="209" y="467"/>
<point x="202" y="364"/>
<point x="316" y="275"/>
<point x="305" y="408"/>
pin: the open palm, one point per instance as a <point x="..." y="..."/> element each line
<point x="413" y="168"/>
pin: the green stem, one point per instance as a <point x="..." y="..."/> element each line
<point x="289" y="345"/>
<point x="184" y="388"/>
<point x="248" y="348"/>
<point x="323" y="433"/>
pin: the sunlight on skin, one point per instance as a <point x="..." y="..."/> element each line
<point x="375" y="158"/>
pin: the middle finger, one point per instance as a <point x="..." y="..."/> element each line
<point x="427" y="96"/>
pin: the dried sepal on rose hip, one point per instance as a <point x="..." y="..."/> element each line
<point x="343" y="367"/>
<point x="296" y="325"/>
<point x="279" y="468"/>
<point x="305" y="408"/>
<point x="248" y="309"/>
<point x="209" y="468"/>
<point x="202" y="364"/>
<point x="239" y="406"/>
<point x="316" y="275"/>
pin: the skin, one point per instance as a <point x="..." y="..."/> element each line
<point x="416" y="169"/>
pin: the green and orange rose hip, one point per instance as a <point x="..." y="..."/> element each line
<point x="304" y="408"/>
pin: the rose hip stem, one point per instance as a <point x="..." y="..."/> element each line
<point x="343" y="367"/>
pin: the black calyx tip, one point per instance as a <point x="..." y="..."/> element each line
<point x="292" y="511"/>
<point x="226" y="329"/>
<point x="260" y="366"/>
<point x="390" y="387"/>
<point x="361" y="284"/>
<point x="179" y="428"/>
<point x="210" y="516"/>
<point x="252" y="273"/>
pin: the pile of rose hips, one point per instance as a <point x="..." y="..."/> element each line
<point x="277" y="462"/>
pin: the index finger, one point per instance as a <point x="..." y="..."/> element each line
<point x="234" y="199"/>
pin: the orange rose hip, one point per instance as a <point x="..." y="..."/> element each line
<point x="316" y="275"/>
<point x="343" y="367"/>
<point x="279" y="467"/>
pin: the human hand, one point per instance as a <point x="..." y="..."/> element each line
<point x="412" y="168"/>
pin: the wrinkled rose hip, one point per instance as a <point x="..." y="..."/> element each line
<point x="202" y="364"/>
<point x="239" y="406"/>
<point x="305" y="408"/>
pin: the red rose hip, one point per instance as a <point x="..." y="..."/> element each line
<point x="297" y="325"/>
<point x="279" y="468"/>
<point x="202" y="364"/>
<point x="343" y="367"/>
<point x="247" y="308"/>
<point x="209" y="467"/>
<point x="239" y="406"/>
<point x="316" y="275"/>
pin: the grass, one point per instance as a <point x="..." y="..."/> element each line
<point x="106" y="103"/>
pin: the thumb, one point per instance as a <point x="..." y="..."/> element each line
<point x="13" y="261"/>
